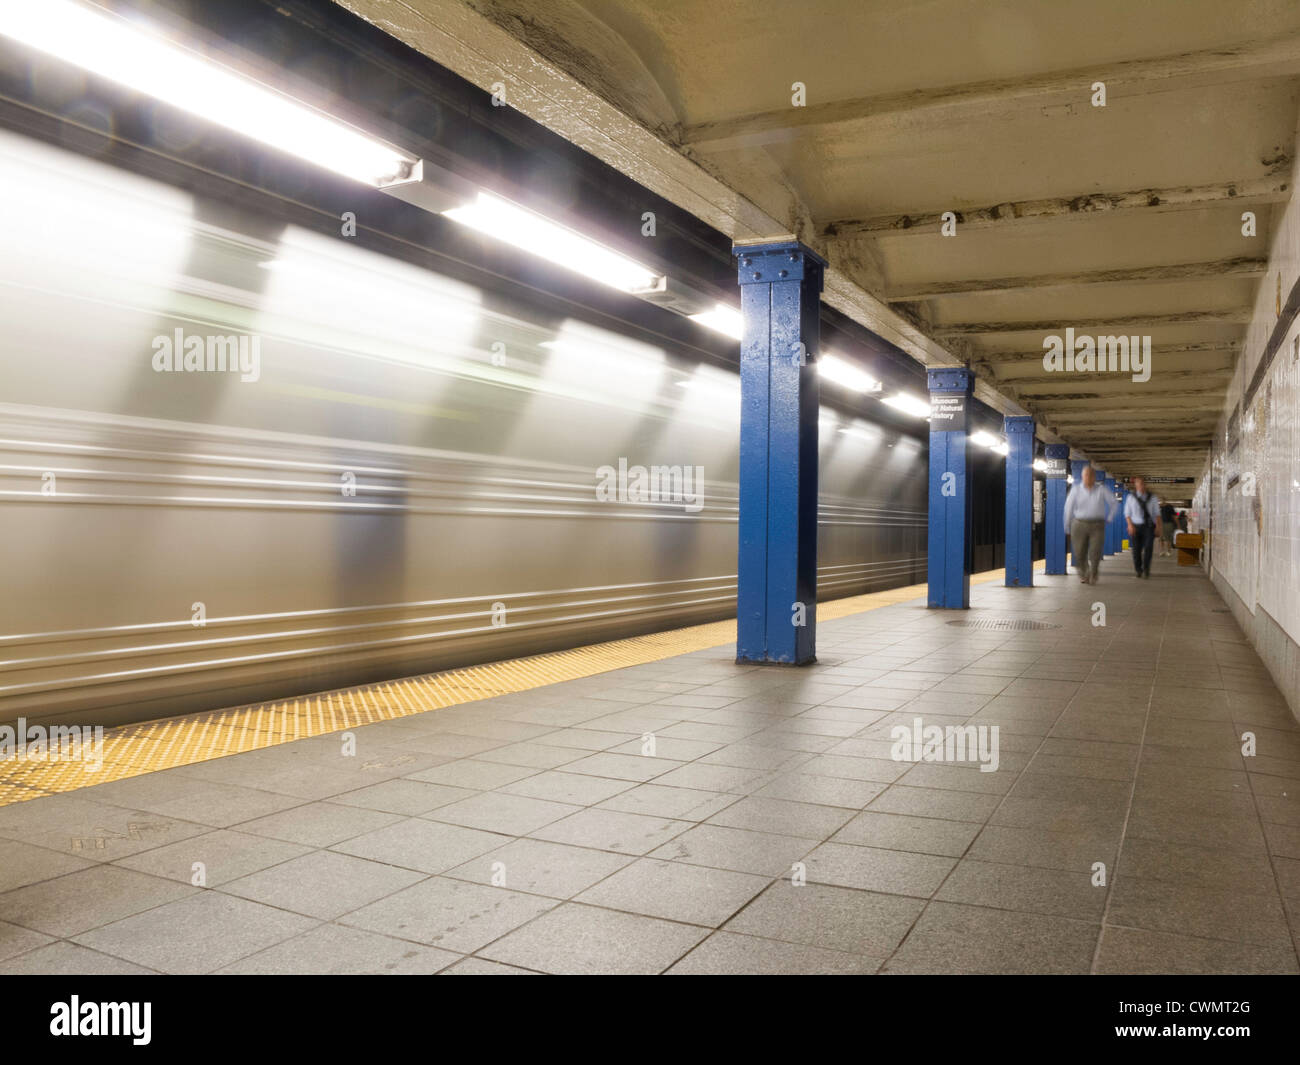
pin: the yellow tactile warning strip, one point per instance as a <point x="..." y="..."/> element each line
<point x="133" y="750"/>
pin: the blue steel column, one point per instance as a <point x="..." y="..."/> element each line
<point x="780" y="288"/>
<point x="949" y="511"/>
<point x="1057" y="456"/>
<point x="1019" y="552"/>
<point x="1108" y="535"/>
<point x="1077" y="466"/>
<point x="1117" y="528"/>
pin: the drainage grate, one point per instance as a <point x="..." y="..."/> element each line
<point x="1004" y="624"/>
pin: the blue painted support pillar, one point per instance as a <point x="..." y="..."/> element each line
<point x="1108" y="539"/>
<point x="1077" y="466"/>
<point x="776" y="608"/>
<point x="1019" y="552"/>
<point x="949" y="534"/>
<point x="1058" y="456"/>
<point x="1121" y="527"/>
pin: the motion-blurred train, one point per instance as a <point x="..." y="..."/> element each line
<point x="241" y="461"/>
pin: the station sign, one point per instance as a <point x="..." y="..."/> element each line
<point x="947" y="412"/>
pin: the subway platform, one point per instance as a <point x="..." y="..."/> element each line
<point x="774" y="828"/>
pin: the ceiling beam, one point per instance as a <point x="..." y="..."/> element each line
<point x="1222" y="269"/>
<point x="1138" y="413"/>
<point x="1139" y="416"/>
<point x="1017" y="377"/>
<point x="1172" y="460"/>
<point x="1015" y="365"/>
<point x="1109" y="384"/>
<point x="1246" y="192"/>
<point x="1103" y="327"/>
<point x="1132" y="430"/>
<point x="1131" y="427"/>
<point x="1115" y="441"/>
<point x="1273" y="57"/>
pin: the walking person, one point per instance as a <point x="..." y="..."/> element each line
<point x="1088" y="507"/>
<point x="1142" y="516"/>
<point x="1168" y="526"/>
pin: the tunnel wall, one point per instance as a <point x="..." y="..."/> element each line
<point x="1248" y="496"/>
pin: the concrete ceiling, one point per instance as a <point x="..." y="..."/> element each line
<point x="1123" y="218"/>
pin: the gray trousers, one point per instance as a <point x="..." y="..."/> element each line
<point x="1087" y="538"/>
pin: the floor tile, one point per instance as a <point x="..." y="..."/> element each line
<point x="198" y="934"/>
<point x="449" y="914"/>
<point x="577" y="939"/>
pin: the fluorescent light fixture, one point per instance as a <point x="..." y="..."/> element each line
<point x="994" y="443"/>
<point x="836" y="370"/>
<point x="1040" y="465"/>
<point x="540" y="236"/>
<point x="722" y="319"/>
<point x="861" y="434"/>
<point x="113" y="48"/>
<point x="908" y="404"/>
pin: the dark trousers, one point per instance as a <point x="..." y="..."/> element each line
<point x="1143" y="540"/>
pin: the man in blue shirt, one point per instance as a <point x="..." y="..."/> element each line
<point x="1142" y="516"/>
<point x="1088" y="507"/>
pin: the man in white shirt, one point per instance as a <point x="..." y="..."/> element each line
<point x="1088" y="507"/>
<point x="1142" y="516"/>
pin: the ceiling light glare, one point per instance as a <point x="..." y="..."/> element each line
<point x="908" y="404"/>
<point x="722" y="319"/>
<point x="845" y="374"/>
<point x="531" y="232"/>
<point x="113" y="48"/>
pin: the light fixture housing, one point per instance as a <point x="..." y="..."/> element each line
<point x="111" y="47"/>
<point x="432" y="187"/>
<point x="675" y="296"/>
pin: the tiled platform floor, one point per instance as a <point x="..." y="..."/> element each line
<point x="530" y="833"/>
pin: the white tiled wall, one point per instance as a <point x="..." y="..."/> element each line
<point x="1255" y="545"/>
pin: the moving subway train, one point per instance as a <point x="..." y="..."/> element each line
<point x="242" y="460"/>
